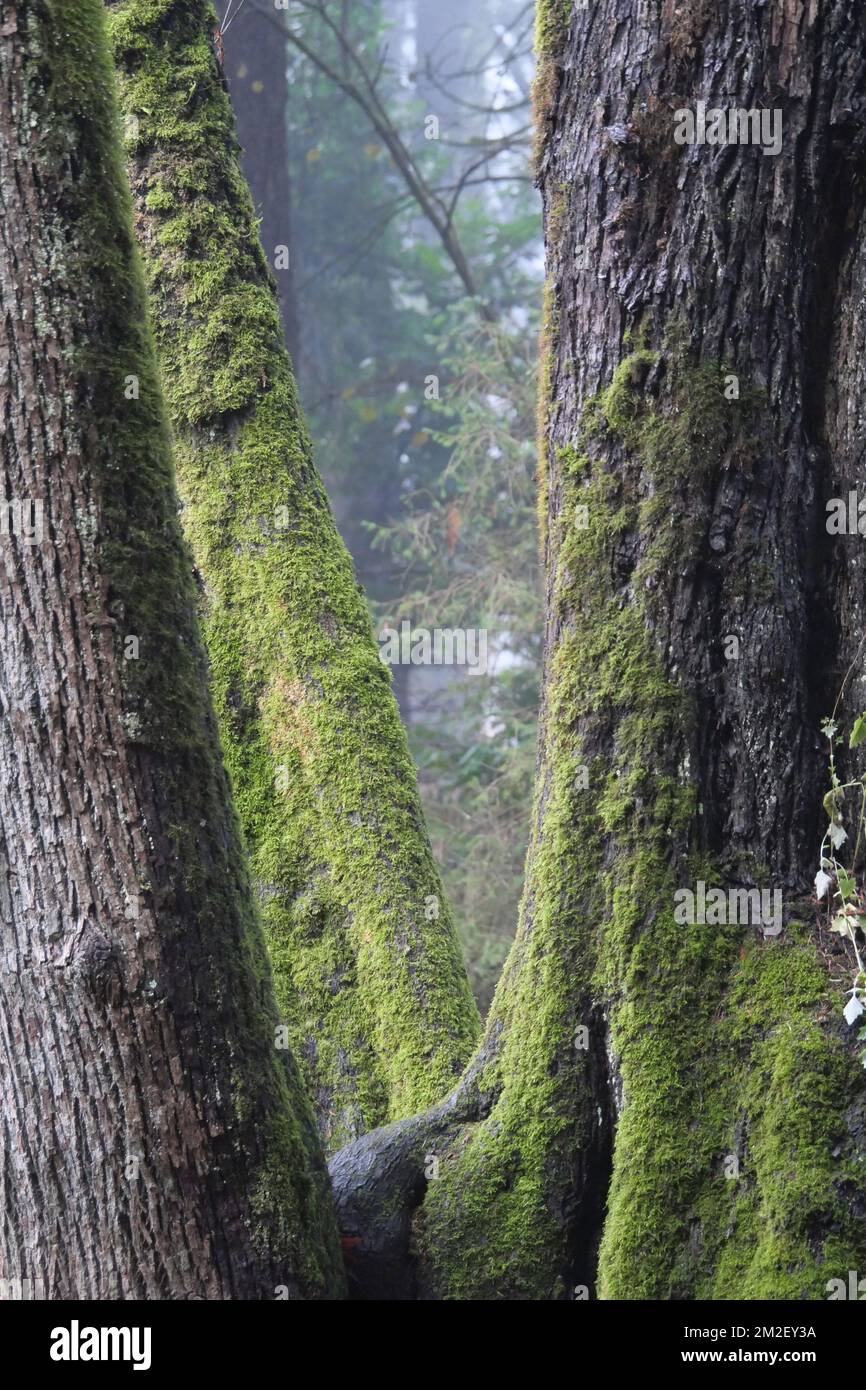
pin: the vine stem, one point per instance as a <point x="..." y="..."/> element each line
<point x="848" y="674"/>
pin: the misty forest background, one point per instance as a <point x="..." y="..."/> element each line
<point x="435" y="498"/>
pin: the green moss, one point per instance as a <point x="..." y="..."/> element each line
<point x="371" y="985"/>
<point x="621" y="405"/>
<point x="719" y="1037"/>
<point x="725" y="1168"/>
<point x="552" y="19"/>
<point x="489" y="1220"/>
<point x="683" y="434"/>
<point x="685" y="439"/>
<point x="491" y="1223"/>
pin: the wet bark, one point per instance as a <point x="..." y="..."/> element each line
<point x="155" y="1143"/>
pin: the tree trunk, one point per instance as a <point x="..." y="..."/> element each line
<point x="712" y="1058"/>
<point x="368" y="968"/>
<point x="255" y="66"/>
<point x="156" y="1144"/>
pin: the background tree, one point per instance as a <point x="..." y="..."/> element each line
<point x="156" y="1143"/>
<point x="710" y="1059"/>
<point x="434" y="496"/>
<point x="255" y="61"/>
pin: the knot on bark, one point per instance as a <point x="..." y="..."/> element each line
<point x="97" y="966"/>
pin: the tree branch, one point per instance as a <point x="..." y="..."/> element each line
<point x="366" y="97"/>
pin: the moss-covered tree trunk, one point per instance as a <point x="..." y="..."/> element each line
<point x="684" y="1093"/>
<point x="368" y="969"/>
<point x="155" y="1141"/>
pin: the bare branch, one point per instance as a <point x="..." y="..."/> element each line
<point x="361" y="88"/>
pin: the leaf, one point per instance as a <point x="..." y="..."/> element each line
<point x="847" y="885"/>
<point x="853" y="1009"/>
<point x="829" y="728"/>
<point x="842" y="924"/>
<point x="822" y="883"/>
<point x="837" y="834"/>
<point x="858" y="733"/>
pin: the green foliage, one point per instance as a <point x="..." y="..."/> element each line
<point x="838" y="884"/>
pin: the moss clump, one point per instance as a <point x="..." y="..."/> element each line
<point x="674" y="415"/>
<point x="491" y="1221"/>
<point x="686" y="438"/>
<point x="620" y="406"/>
<point x="370" y="983"/>
<point x="735" y="1103"/>
<point x="552" y="19"/>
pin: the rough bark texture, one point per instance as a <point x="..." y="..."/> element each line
<point x="368" y="968"/>
<point x="155" y="1143"/>
<point x="673" y="519"/>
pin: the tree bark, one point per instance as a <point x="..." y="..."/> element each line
<point x="715" y="1064"/>
<point x="368" y="968"/>
<point x="156" y="1144"/>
